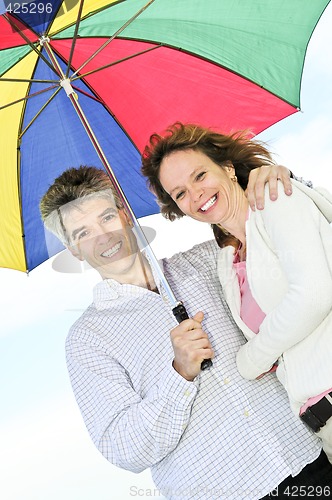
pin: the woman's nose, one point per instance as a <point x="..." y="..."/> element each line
<point x="196" y="192"/>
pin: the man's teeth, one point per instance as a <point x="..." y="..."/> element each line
<point x="209" y="203"/>
<point x="112" y="250"/>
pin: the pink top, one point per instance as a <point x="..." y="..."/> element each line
<point x="250" y="311"/>
<point x="252" y="315"/>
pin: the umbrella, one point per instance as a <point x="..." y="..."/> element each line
<point x="131" y="68"/>
<point x="124" y="69"/>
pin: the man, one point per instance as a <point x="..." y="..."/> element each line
<point x="141" y="393"/>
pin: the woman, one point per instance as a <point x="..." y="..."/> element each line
<point x="275" y="265"/>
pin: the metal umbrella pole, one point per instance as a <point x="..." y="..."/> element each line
<point x="177" y="306"/>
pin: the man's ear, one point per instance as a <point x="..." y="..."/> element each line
<point x="128" y="219"/>
<point x="75" y="252"/>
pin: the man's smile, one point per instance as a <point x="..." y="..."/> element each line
<point x="112" y="251"/>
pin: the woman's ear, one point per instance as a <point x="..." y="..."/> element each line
<point x="229" y="168"/>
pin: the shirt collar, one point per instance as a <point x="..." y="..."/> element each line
<point x="110" y="289"/>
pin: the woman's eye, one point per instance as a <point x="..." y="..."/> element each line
<point x="179" y="195"/>
<point x="200" y="176"/>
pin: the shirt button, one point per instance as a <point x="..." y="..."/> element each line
<point x="187" y="393"/>
<point x="226" y="380"/>
<point x="246" y="412"/>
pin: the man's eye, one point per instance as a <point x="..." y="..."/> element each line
<point x="82" y="235"/>
<point x="109" y="217"/>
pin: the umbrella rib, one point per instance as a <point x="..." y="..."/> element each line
<point x="87" y="94"/>
<point x="31" y="45"/>
<point x="28" y="97"/>
<point x="79" y="16"/>
<point x="116" y="62"/>
<point x="39" y="112"/>
<point x="113" y="36"/>
<point x="27" y="80"/>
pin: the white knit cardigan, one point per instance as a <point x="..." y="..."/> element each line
<point x="289" y="269"/>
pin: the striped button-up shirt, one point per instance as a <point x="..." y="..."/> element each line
<point x="219" y="436"/>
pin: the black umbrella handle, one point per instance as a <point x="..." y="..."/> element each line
<point x="181" y="314"/>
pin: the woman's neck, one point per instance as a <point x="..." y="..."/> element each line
<point x="235" y="221"/>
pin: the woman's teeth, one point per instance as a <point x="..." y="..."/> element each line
<point x="209" y="203"/>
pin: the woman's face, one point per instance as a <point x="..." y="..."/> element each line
<point x="202" y="189"/>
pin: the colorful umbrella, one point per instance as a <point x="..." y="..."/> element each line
<point x="126" y="69"/>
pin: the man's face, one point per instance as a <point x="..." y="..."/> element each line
<point x="100" y="233"/>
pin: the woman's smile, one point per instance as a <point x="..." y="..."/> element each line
<point x="207" y="207"/>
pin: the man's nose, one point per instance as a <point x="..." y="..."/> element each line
<point x="103" y="234"/>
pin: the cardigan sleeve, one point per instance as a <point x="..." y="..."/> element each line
<point x="292" y="225"/>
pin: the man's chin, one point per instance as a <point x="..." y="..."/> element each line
<point x="116" y="267"/>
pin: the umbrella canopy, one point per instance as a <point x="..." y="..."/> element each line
<point x="135" y="67"/>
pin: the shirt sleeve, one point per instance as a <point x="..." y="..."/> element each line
<point x="292" y="224"/>
<point x="132" y="431"/>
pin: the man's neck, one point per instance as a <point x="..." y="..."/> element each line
<point x="142" y="274"/>
<point x="139" y="274"/>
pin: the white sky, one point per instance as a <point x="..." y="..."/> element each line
<point x="46" y="451"/>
